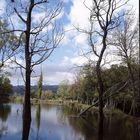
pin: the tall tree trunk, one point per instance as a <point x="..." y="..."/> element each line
<point x="101" y="85"/>
<point x="100" y="91"/>
<point x="26" y="127"/>
<point x="27" y="103"/>
<point x="99" y="79"/>
<point x="100" y="129"/>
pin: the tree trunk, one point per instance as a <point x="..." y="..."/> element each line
<point x="100" y="128"/>
<point x="99" y="78"/>
<point x="124" y="105"/>
<point x="26" y="127"/>
<point x="100" y="91"/>
<point x="27" y="103"/>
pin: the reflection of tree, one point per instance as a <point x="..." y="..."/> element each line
<point x="89" y="126"/>
<point x="38" y="110"/>
<point x="65" y="111"/>
<point x="100" y="128"/>
<point x="5" y="110"/>
<point x="136" y="130"/>
<point x="48" y="106"/>
<point x="86" y="126"/>
<point x="26" y="126"/>
<point x="3" y="129"/>
<point x="70" y="110"/>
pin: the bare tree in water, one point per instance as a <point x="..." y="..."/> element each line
<point x="39" y="35"/>
<point x="104" y="18"/>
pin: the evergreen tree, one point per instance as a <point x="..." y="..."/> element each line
<point x="5" y="85"/>
<point x="39" y="86"/>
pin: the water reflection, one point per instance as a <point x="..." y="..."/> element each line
<point x="100" y="127"/>
<point x="26" y="127"/>
<point x="5" y="111"/>
<point x="38" y="113"/>
<point x="61" y="123"/>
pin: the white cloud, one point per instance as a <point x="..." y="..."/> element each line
<point x="52" y="73"/>
<point x="135" y="4"/>
<point x="78" y="17"/>
<point x="81" y="39"/>
<point x="79" y="14"/>
<point x="58" y="77"/>
<point x="79" y="60"/>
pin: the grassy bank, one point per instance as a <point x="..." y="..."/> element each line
<point x="81" y="107"/>
<point x="72" y="104"/>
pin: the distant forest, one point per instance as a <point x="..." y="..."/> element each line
<point x="19" y="90"/>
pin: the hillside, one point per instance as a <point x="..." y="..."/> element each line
<point x="20" y="89"/>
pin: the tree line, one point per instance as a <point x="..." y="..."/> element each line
<point x="119" y="91"/>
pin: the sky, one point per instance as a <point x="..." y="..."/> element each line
<point x="66" y="59"/>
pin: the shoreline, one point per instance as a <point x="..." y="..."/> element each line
<point x="79" y="106"/>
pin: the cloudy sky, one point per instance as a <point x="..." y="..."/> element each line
<point x="62" y="63"/>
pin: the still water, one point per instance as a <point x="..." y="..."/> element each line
<point x="51" y="122"/>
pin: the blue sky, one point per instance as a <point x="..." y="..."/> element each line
<point x="61" y="64"/>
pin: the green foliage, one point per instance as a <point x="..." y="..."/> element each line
<point x="4" y="112"/>
<point x="115" y="74"/>
<point x="39" y="86"/>
<point x="63" y="90"/>
<point x="18" y="99"/>
<point x="5" y="85"/>
<point x="88" y="83"/>
<point x="85" y="87"/>
<point x="8" y="43"/>
<point x="33" y="94"/>
<point x="38" y="116"/>
<point x="48" y="95"/>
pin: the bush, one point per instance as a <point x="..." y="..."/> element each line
<point x="47" y="95"/>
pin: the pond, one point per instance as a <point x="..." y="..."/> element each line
<point x="52" y="122"/>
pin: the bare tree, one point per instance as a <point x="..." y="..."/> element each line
<point x="104" y="17"/>
<point x="126" y="39"/>
<point x="39" y="35"/>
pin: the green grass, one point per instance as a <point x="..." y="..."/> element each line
<point x="16" y="99"/>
